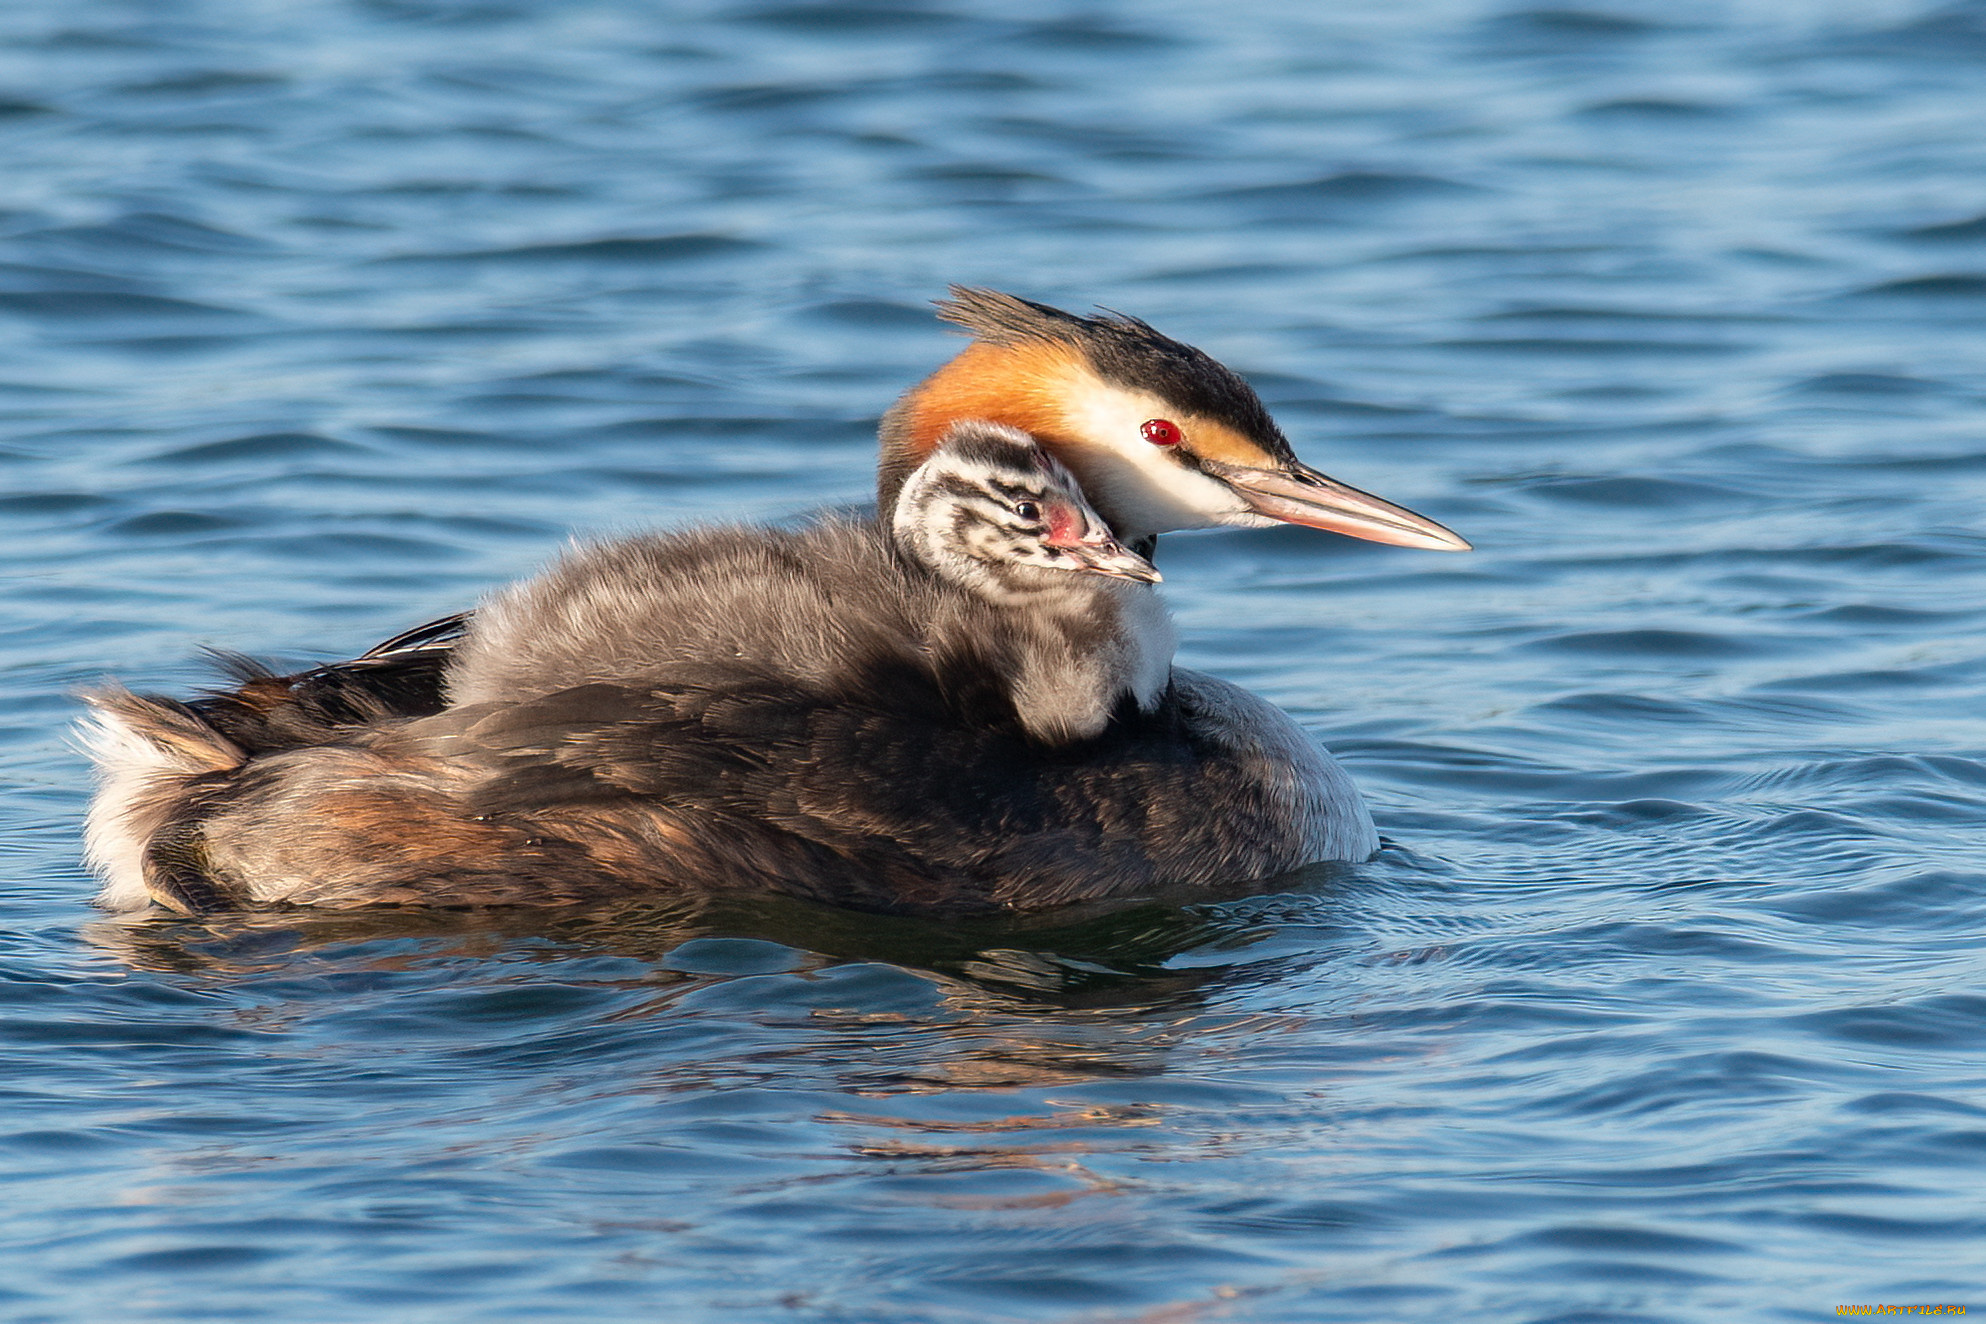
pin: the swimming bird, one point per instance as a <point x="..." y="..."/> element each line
<point x="912" y="805"/>
<point x="663" y="707"/>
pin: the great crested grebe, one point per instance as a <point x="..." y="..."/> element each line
<point x="994" y="523"/>
<point x="608" y="714"/>
<point x="899" y="805"/>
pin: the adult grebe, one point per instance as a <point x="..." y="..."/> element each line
<point x="651" y="712"/>
<point x="892" y="805"/>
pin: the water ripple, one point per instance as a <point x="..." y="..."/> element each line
<point x="1662" y="1001"/>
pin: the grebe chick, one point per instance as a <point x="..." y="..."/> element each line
<point x="996" y="515"/>
<point x="974" y="576"/>
<point x="997" y="597"/>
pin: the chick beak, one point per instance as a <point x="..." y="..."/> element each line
<point x="1094" y="550"/>
<point x="1299" y="494"/>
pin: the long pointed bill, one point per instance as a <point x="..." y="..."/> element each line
<point x="1301" y="495"/>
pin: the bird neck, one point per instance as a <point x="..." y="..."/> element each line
<point x="1073" y="656"/>
<point x="1025" y="386"/>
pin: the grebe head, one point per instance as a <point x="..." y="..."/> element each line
<point x="1161" y="436"/>
<point x="990" y="509"/>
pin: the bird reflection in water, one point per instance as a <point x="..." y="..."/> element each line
<point x="970" y="1003"/>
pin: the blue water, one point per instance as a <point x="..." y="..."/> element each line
<point x="317" y="319"/>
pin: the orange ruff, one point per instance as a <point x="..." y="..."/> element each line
<point x="1023" y="386"/>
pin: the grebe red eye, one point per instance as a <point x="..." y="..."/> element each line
<point x="1161" y="432"/>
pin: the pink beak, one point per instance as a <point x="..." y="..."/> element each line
<point x="1091" y="547"/>
<point x="1301" y="495"/>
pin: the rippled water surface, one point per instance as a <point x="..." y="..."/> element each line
<point x="318" y="319"/>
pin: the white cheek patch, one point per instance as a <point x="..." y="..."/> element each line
<point x="1144" y="487"/>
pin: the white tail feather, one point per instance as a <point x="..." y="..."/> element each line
<point x="144" y="752"/>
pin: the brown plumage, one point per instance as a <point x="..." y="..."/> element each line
<point x="885" y="792"/>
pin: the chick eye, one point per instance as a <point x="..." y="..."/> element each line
<point x="1027" y="510"/>
<point x="1161" y="432"/>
